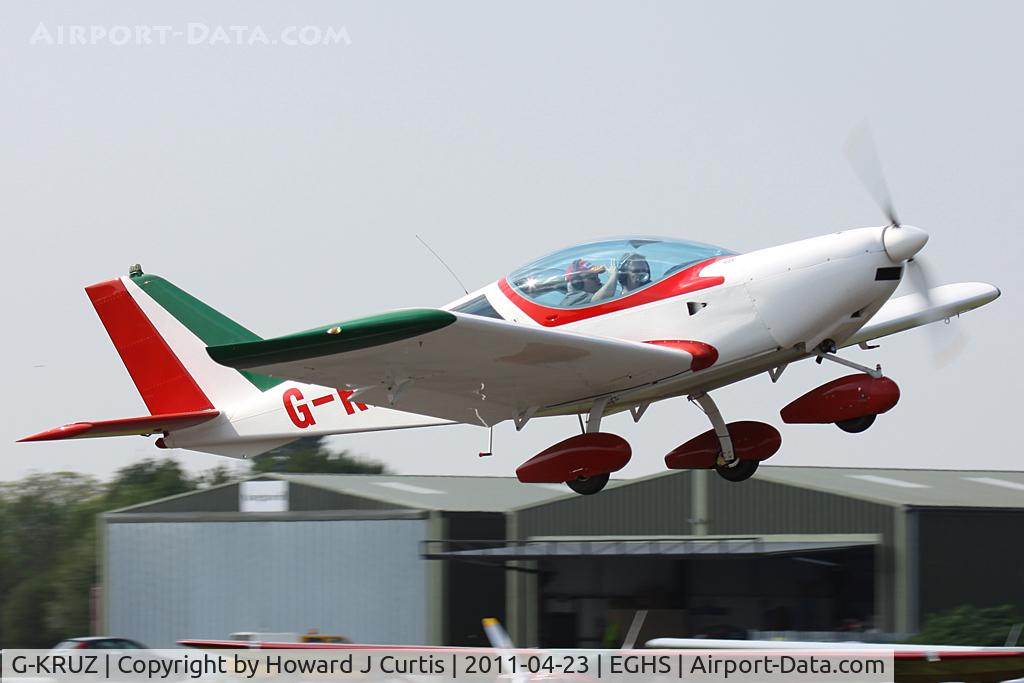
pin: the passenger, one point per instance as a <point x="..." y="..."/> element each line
<point x="584" y="284"/>
<point x="633" y="272"/>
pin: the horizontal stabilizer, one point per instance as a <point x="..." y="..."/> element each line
<point x="126" y="426"/>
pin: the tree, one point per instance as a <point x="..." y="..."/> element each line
<point x="969" y="625"/>
<point x="310" y="455"/>
<point x="68" y="609"/>
<point x="215" y="477"/>
<point x="39" y="518"/>
<point x="48" y="543"/>
<point x="24" y="615"/>
<point x="147" y="480"/>
<point x="42" y="516"/>
<point x="48" y="533"/>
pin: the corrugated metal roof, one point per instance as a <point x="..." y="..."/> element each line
<point x="664" y="547"/>
<point x="954" y="488"/>
<point x="896" y="487"/>
<point x="451" y="493"/>
<point x="943" y="488"/>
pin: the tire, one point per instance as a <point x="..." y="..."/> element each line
<point x="588" y="486"/>
<point x="856" y="425"/>
<point x="741" y="471"/>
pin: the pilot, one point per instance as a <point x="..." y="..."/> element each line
<point x="633" y="272"/>
<point x="584" y="284"/>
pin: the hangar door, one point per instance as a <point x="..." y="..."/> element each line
<point x="165" y="581"/>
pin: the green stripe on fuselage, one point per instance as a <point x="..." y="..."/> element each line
<point x="212" y="327"/>
<point x="353" y="335"/>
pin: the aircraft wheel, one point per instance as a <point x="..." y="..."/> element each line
<point x="857" y="424"/>
<point x="741" y="471"/>
<point x="588" y="486"/>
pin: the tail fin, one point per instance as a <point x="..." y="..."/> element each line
<point x="161" y="333"/>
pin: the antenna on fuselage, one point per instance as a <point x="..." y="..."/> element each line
<point x="447" y="267"/>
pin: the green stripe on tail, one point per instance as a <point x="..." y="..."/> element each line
<point x="212" y="327"/>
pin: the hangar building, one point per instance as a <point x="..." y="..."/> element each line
<point x="420" y="559"/>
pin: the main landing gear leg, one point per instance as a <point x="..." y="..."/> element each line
<point x="707" y="404"/>
<point x="728" y="466"/>
<point x="596" y="413"/>
<point x="588" y="486"/>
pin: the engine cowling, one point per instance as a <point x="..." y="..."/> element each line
<point x="580" y="456"/>
<point x="750" y="441"/>
<point x="846" y="398"/>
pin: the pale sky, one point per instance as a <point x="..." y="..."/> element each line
<point x="284" y="185"/>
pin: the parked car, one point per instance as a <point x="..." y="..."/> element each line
<point x="99" y="642"/>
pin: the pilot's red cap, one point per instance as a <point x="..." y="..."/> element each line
<point x="582" y="267"/>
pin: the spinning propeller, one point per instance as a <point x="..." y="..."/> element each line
<point x="902" y="242"/>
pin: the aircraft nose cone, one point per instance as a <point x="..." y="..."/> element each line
<point x="903" y="242"/>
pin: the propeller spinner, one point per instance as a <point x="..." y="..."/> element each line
<point x="902" y="242"/>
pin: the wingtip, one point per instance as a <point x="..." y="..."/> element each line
<point x="989" y="293"/>
<point x="64" y="432"/>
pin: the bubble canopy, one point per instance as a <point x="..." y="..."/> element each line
<point x="595" y="272"/>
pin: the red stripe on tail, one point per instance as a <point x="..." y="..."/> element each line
<point x="166" y="386"/>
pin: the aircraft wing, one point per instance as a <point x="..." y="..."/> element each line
<point x="460" y="367"/>
<point x="913" y="310"/>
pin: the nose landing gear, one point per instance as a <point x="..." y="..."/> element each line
<point x="851" y="403"/>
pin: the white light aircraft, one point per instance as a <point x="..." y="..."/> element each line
<point x="591" y="330"/>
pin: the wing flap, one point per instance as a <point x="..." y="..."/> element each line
<point x="126" y="426"/>
<point x="462" y="367"/>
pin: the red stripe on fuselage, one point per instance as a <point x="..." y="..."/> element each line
<point x="683" y="282"/>
<point x="164" y="383"/>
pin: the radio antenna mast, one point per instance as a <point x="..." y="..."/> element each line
<point x="438" y="257"/>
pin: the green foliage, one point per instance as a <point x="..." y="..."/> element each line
<point x="147" y="480"/>
<point x="48" y="533"/>
<point x="42" y="515"/>
<point x="310" y="455"/>
<point x="218" y="476"/>
<point x="68" y="608"/>
<point x="39" y="513"/>
<point x="24" y="617"/>
<point x="969" y="625"/>
<point x="48" y="544"/>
